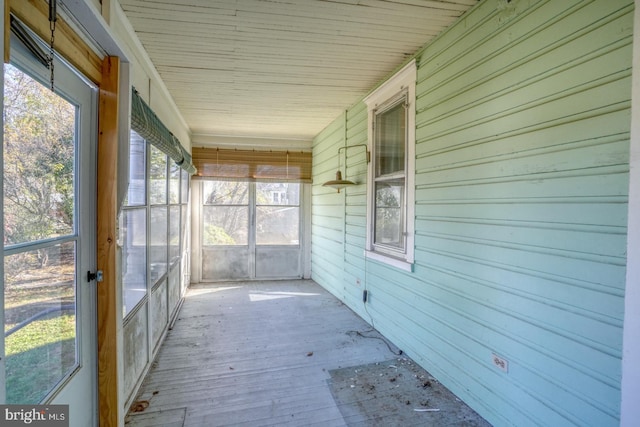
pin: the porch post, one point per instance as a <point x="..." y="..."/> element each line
<point x="106" y="241"/>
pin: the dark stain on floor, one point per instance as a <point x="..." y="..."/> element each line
<point x="397" y="393"/>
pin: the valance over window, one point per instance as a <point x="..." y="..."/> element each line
<point x="253" y="165"/>
<point x="145" y="122"/>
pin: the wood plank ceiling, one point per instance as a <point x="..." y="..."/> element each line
<point x="281" y="69"/>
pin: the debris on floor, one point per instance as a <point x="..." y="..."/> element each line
<point x="397" y="393"/>
<point x="139" y="406"/>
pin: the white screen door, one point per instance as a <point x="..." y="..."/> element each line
<point x="49" y="241"/>
<point x="250" y="230"/>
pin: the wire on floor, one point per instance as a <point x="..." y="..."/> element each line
<point x="362" y="334"/>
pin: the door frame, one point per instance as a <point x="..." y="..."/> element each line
<point x="304" y="251"/>
<point x="105" y="73"/>
<point x="78" y="91"/>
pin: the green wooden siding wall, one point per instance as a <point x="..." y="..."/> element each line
<point x="523" y="118"/>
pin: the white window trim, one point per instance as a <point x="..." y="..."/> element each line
<point x="403" y="81"/>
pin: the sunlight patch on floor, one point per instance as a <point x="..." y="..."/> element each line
<point x="197" y="291"/>
<point x="266" y="296"/>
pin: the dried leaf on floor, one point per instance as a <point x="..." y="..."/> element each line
<point x="139" y="406"/>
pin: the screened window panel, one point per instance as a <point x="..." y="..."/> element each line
<point x="40" y="351"/>
<point x="174" y="183"/>
<point x="183" y="223"/>
<point x="158" y="243"/>
<point x="277" y="213"/>
<point x="225" y="225"/>
<point x="390" y="137"/>
<point x="39" y="161"/>
<point x="277" y="193"/>
<point x="277" y="225"/>
<point x="133" y="241"/>
<point x="225" y="193"/>
<point x="184" y="186"/>
<point x="157" y="176"/>
<point x="136" y="193"/>
<point x="174" y="234"/>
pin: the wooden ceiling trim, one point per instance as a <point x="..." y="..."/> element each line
<point x="35" y="14"/>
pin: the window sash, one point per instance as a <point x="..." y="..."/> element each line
<point x="390" y="138"/>
<point x="397" y="248"/>
<point x="389" y="230"/>
<point x="390" y="123"/>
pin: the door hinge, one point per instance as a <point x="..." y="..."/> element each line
<point x="97" y="276"/>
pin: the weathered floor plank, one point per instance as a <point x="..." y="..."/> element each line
<point x="285" y="354"/>
<point x="255" y="353"/>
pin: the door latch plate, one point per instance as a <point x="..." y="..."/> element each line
<point x="97" y="276"/>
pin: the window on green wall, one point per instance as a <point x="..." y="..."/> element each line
<point x="390" y="195"/>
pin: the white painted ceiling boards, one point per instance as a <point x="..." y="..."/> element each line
<point x="281" y="69"/>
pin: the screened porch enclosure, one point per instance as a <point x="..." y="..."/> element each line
<point x="249" y="230"/>
<point x="250" y="215"/>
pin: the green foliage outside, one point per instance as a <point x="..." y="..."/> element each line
<point x="39" y="129"/>
<point x="39" y="204"/>
<point x="214" y="235"/>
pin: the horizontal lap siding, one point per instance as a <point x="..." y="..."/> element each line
<point x="327" y="212"/>
<point x="356" y="210"/>
<point x="521" y="183"/>
<point x="523" y="118"/>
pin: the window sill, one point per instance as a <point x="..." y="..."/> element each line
<point x="386" y="259"/>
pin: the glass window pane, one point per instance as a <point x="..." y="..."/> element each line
<point x="174" y="234"/>
<point x="277" y="225"/>
<point x="225" y="193"/>
<point x="174" y="183"/>
<point x="225" y="225"/>
<point x="157" y="177"/>
<point x="136" y="195"/>
<point x="39" y="161"/>
<point x="184" y="182"/>
<point x="40" y="321"/>
<point x="277" y="193"/>
<point x="133" y="243"/>
<point x="183" y="222"/>
<point x="389" y="213"/>
<point x="158" y="243"/>
<point x="390" y="135"/>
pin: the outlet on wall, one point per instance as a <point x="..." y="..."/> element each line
<point x="500" y="363"/>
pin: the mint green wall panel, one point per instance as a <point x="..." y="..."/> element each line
<point x="522" y="127"/>
<point x="327" y="212"/>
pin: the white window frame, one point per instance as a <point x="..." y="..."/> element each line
<point x="403" y="82"/>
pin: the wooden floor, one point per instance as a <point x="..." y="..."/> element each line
<point x="285" y="354"/>
<point x="257" y="353"/>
